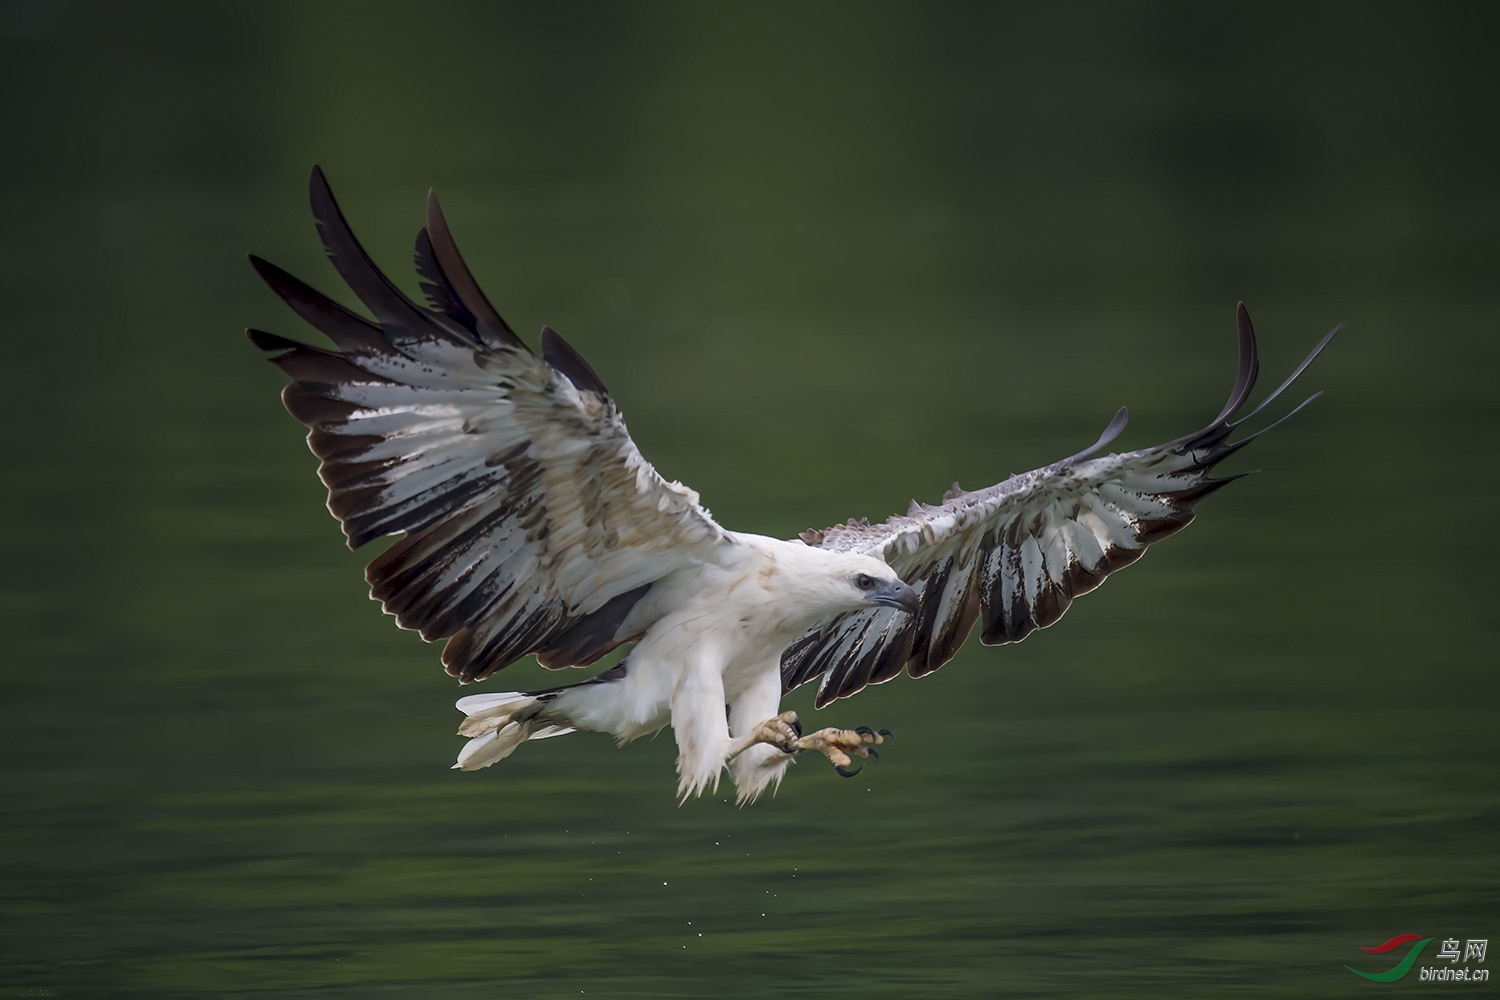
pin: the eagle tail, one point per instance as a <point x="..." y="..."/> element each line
<point x="497" y="723"/>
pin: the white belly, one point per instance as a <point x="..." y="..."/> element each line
<point x="729" y="621"/>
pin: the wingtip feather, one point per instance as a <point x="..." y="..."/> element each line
<point x="1312" y="355"/>
<point x="317" y="180"/>
<point x="1111" y="431"/>
<point x="270" y="342"/>
<point x="562" y="356"/>
<point x="1249" y="363"/>
<point x="491" y="326"/>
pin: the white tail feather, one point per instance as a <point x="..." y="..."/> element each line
<point x="482" y="751"/>
<point x="488" y="712"/>
<point x="498" y="723"/>
<point x="476" y="703"/>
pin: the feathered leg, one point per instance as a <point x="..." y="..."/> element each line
<point x="700" y="725"/>
<point x="762" y="747"/>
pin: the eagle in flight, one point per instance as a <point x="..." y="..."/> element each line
<point x="531" y="524"/>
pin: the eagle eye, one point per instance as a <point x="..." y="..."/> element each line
<point x="864" y="581"/>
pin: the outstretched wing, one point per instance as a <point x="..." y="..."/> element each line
<point x="1014" y="556"/>
<point x="532" y="523"/>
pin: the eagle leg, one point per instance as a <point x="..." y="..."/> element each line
<point x="840" y="746"/>
<point x="782" y="732"/>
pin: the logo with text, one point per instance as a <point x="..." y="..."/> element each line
<point x="1473" y="950"/>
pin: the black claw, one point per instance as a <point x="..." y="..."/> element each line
<point x="888" y="735"/>
<point x="864" y="730"/>
<point x="847" y="772"/>
<point x="797" y="727"/>
<point x="873" y="753"/>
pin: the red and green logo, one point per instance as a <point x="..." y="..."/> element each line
<point x="1403" y="967"/>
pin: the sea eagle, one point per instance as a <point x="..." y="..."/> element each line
<point x="533" y="526"/>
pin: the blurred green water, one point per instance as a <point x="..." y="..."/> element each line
<point x="828" y="258"/>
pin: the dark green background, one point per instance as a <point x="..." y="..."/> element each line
<point x="829" y="257"/>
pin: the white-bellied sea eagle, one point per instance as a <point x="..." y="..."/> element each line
<point x="533" y="526"/>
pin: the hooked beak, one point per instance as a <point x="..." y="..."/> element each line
<point x="900" y="595"/>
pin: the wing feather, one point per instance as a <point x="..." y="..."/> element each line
<point x="532" y="523"/>
<point x="1014" y="556"/>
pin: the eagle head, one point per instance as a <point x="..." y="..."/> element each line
<point x="865" y="581"/>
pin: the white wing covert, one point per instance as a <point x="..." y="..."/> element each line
<point x="1013" y="556"/>
<point x="532" y="522"/>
